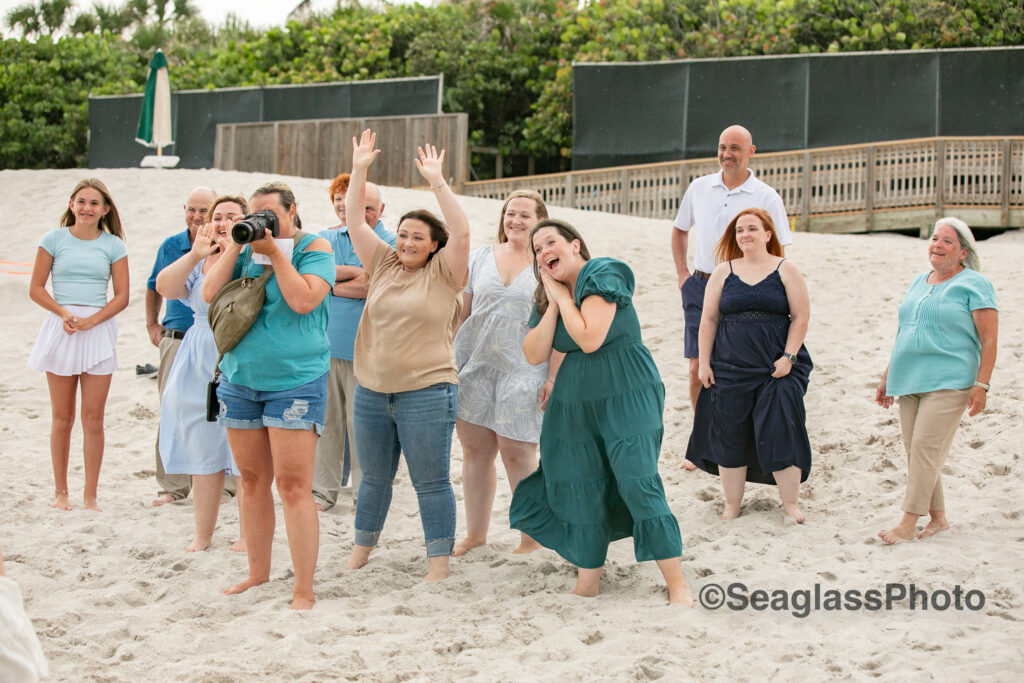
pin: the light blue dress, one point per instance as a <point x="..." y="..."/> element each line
<point x="498" y="389"/>
<point x="188" y="443"/>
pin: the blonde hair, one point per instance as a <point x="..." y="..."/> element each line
<point x="541" y="209"/>
<point x="111" y="222"/>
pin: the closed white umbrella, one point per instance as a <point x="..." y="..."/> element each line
<point x="155" y="117"/>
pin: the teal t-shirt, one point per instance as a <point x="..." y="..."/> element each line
<point x="283" y="349"/>
<point x="81" y="268"/>
<point x="937" y="345"/>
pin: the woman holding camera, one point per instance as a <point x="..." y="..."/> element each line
<point x="404" y="360"/>
<point x="188" y="443"/>
<point x="274" y="386"/>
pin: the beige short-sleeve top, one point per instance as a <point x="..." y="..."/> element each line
<point x="404" y="340"/>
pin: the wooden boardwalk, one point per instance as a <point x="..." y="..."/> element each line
<point x="900" y="185"/>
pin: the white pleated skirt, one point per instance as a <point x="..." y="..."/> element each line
<point x="92" y="351"/>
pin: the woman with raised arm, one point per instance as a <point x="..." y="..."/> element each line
<point x="274" y="387"/>
<point x="188" y="443"/>
<point x="598" y="478"/>
<point x="753" y="367"/>
<point x="941" y="365"/>
<point x="405" y="401"/>
<point x="77" y="343"/>
<point x="501" y="396"/>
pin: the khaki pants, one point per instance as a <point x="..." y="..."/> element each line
<point x="178" y="485"/>
<point x="929" y="422"/>
<point x="335" y="450"/>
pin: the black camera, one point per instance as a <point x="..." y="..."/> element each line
<point x="254" y="226"/>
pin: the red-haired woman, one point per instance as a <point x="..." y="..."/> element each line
<point x="749" y="421"/>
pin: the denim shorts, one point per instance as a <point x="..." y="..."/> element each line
<point x="299" y="408"/>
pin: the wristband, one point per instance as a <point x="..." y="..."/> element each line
<point x="983" y="385"/>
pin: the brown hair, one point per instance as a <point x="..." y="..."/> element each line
<point x="339" y="185"/>
<point x="227" y="199"/>
<point x="111" y="222"/>
<point x="727" y="249"/>
<point x="284" y="195"/>
<point x="569" y="233"/>
<point x="438" y="230"/>
<point x="541" y="209"/>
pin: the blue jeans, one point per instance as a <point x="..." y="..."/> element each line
<point x="418" y="423"/>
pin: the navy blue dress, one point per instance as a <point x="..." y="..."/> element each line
<point x="747" y="417"/>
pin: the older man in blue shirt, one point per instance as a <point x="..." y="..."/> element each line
<point x="335" y="451"/>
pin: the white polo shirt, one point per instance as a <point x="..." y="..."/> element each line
<point x="709" y="205"/>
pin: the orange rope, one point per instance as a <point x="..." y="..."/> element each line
<point x="15" y="272"/>
<point x="15" y="263"/>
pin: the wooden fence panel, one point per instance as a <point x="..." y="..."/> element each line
<point x="322" y="148"/>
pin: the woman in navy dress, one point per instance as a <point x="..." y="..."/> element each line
<point x="749" y="421"/>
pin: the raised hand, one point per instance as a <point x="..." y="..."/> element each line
<point x="363" y="152"/>
<point x="205" y="242"/>
<point x="430" y="165"/>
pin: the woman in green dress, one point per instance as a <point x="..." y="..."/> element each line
<point x="600" y="439"/>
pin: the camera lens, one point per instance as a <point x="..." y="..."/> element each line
<point x="244" y="232"/>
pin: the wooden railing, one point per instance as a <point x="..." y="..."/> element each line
<point x="876" y="186"/>
<point x="322" y="148"/>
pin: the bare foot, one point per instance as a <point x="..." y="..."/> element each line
<point x="302" y="602"/>
<point x="933" y="528"/>
<point x="319" y="507"/>
<point x="731" y="512"/>
<point x="588" y="583"/>
<point x="688" y="466"/>
<point x="199" y="543"/>
<point x="359" y="557"/>
<point x="526" y="545"/>
<point x="243" y="586"/>
<point x="60" y="501"/>
<point x="897" y="534"/>
<point x="680" y="594"/>
<point x="586" y="592"/>
<point x="163" y="499"/>
<point x="91" y="504"/>
<point x="793" y="512"/>
<point x="467" y="544"/>
<point x="238" y="546"/>
<point x="438" y="568"/>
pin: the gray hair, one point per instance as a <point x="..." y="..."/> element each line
<point x="966" y="238"/>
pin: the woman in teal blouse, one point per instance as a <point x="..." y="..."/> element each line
<point x="941" y="365"/>
<point x="274" y="388"/>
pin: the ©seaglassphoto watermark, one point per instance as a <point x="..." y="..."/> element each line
<point x="800" y="603"/>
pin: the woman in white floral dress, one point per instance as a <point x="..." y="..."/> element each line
<point x="501" y="396"/>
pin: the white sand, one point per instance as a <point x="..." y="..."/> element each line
<point x="115" y="597"/>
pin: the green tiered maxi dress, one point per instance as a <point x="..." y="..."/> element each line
<point x="600" y="440"/>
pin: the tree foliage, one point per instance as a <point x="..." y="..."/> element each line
<point x="506" y="63"/>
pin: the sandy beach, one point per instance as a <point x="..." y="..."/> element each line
<point x="114" y="596"/>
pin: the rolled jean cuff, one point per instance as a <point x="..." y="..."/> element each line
<point x="439" y="547"/>
<point x="367" y="538"/>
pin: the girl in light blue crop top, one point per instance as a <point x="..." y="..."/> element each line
<point x="76" y="346"/>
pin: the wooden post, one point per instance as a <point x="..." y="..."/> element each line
<point x="277" y="150"/>
<point x="570" y="191"/>
<point x="806" y="209"/>
<point x="1005" y="182"/>
<point x="624" y="191"/>
<point x="869" y="188"/>
<point x="940" y="176"/>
